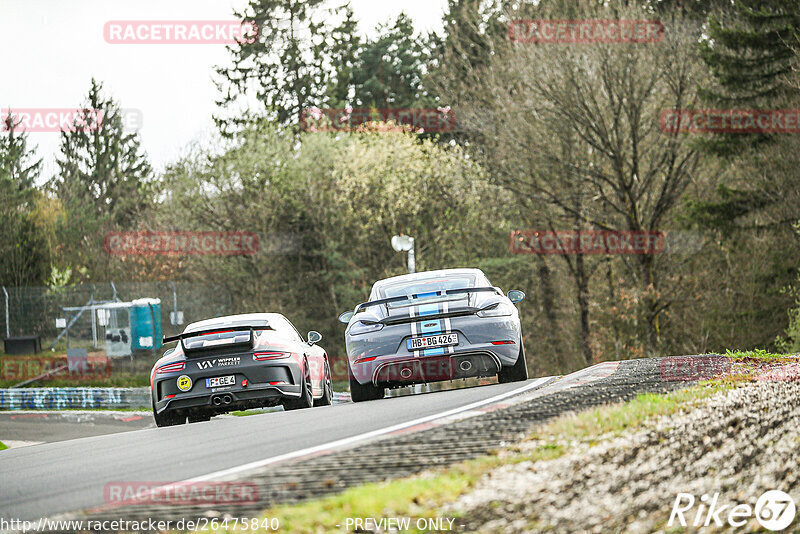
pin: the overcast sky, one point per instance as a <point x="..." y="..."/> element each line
<point x="52" y="48"/>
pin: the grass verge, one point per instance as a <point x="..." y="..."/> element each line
<point x="3" y="446"/>
<point x="423" y="495"/>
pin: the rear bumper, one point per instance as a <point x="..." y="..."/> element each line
<point x="258" y="392"/>
<point x="406" y="371"/>
<point x="239" y="398"/>
<point x="476" y="335"/>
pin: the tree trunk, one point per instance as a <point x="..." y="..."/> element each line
<point x="549" y="308"/>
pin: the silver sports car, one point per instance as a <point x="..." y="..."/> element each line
<point x="433" y="326"/>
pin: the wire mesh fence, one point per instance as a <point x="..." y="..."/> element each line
<point x="48" y="311"/>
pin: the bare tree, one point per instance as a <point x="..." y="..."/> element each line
<point x="575" y="129"/>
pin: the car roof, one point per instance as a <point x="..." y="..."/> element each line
<point x="244" y="318"/>
<point x="424" y="275"/>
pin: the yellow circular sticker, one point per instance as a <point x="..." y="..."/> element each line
<point x="184" y="383"/>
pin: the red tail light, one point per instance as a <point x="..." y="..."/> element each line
<point x="507" y="342"/>
<point x="362" y="360"/>
<point x="261" y="356"/>
<point x="169" y="396"/>
<point x="171" y="367"/>
<point x="276" y="383"/>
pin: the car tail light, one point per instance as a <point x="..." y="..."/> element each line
<point x="169" y="396"/>
<point x="261" y="356"/>
<point x="277" y="383"/>
<point x="171" y="367"/>
<point x="506" y="342"/>
<point x="363" y="360"/>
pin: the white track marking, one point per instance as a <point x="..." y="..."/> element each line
<point x="362" y="437"/>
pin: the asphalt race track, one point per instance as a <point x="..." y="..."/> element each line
<point x="293" y="456"/>
<point x="52" y="478"/>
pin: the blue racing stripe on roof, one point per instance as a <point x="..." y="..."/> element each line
<point x="435" y="327"/>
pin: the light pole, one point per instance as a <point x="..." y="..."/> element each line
<point x="404" y="243"/>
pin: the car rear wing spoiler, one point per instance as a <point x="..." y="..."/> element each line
<point x="464" y="312"/>
<point x="444" y="292"/>
<point x="217" y="330"/>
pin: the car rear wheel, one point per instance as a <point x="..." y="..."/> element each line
<point x="327" y="388"/>
<point x="168" y="418"/>
<point x="363" y="392"/>
<point x="517" y="372"/>
<point x="306" y="399"/>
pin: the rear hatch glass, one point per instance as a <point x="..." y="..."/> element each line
<point x="426" y="291"/>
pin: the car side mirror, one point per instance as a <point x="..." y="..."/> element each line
<point x="345" y="317"/>
<point x="314" y="337"/>
<point x="515" y="295"/>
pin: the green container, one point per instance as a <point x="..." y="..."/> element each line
<point x="146" y="333"/>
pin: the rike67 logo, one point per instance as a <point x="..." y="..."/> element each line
<point x="774" y="510"/>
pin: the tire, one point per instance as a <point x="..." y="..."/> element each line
<point x="327" y="388"/>
<point x="517" y="372"/>
<point x="363" y="392"/>
<point x="168" y="418"/>
<point x="306" y="399"/>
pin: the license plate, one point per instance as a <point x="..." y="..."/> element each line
<point x="220" y="381"/>
<point x="430" y="342"/>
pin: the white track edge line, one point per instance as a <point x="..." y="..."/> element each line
<point x="362" y="437"/>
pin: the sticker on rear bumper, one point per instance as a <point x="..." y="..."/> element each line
<point x="184" y="383"/>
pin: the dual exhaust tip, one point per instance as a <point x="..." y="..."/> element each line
<point x="406" y="372"/>
<point x="222" y="399"/>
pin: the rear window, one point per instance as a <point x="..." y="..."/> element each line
<point x="432" y="285"/>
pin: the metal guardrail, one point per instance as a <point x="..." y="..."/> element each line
<point x="88" y="398"/>
<point x="73" y="398"/>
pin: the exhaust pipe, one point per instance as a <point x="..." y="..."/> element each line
<point x="227" y="399"/>
<point x="406" y="372"/>
<point x="216" y="401"/>
<point x="465" y="365"/>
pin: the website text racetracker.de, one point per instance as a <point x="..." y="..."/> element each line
<point x="201" y="524"/>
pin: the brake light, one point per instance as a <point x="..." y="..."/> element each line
<point x="277" y="383"/>
<point x="171" y="367"/>
<point x="169" y="396"/>
<point x="261" y="356"/>
<point x="507" y="342"/>
<point x="217" y="332"/>
<point x="362" y="360"/>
